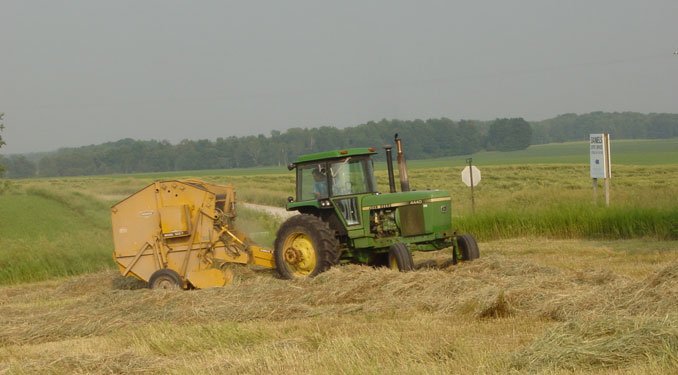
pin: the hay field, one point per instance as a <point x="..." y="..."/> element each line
<point x="529" y="305"/>
<point x="562" y="286"/>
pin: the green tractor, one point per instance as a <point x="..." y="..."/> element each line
<point x="344" y="219"/>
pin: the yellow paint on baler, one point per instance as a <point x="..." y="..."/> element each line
<point x="185" y="226"/>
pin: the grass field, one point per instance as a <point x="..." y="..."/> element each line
<point x="563" y="285"/>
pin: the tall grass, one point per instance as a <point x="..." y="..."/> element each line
<point x="260" y="227"/>
<point x="574" y="221"/>
<point x="45" y="234"/>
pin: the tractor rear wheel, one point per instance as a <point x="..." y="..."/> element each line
<point x="468" y="247"/>
<point x="164" y="279"/>
<point x="400" y="258"/>
<point x="304" y="247"/>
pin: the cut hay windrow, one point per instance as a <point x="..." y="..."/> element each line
<point x="604" y="342"/>
<point x="579" y="317"/>
<point x="493" y="287"/>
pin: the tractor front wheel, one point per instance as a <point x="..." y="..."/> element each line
<point x="400" y="258"/>
<point x="468" y="247"/>
<point x="304" y="247"/>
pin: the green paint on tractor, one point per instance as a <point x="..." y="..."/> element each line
<point x="345" y="219"/>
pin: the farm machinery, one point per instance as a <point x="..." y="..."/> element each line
<point x="181" y="233"/>
<point x="343" y="218"/>
<point x="176" y="233"/>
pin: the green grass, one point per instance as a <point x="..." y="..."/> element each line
<point x="61" y="226"/>
<point x="260" y="226"/>
<point x="44" y="235"/>
<point x="574" y="221"/>
<point x="210" y="172"/>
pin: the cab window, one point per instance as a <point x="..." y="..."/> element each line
<point x="352" y="175"/>
<point x="312" y="182"/>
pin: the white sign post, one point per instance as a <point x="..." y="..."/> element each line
<point x="470" y="175"/>
<point x="599" y="149"/>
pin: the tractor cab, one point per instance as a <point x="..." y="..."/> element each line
<point x="322" y="179"/>
<point x="334" y="179"/>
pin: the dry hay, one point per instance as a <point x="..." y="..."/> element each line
<point x="604" y="342"/>
<point x="602" y="319"/>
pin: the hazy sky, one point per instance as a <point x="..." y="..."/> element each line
<point x="85" y="72"/>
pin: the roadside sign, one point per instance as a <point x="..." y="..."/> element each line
<point x="599" y="145"/>
<point x="470" y="176"/>
<point x="599" y="151"/>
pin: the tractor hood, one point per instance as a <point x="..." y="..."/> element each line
<point x="414" y="213"/>
<point x="389" y="200"/>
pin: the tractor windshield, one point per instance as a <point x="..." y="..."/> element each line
<point x="352" y="175"/>
<point x="347" y="176"/>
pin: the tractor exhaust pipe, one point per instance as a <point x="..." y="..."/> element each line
<point x="389" y="165"/>
<point x="402" y="166"/>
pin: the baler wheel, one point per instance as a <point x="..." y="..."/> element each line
<point x="400" y="258"/>
<point x="468" y="247"/>
<point x="164" y="279"/>
<point x="304" y="247"/>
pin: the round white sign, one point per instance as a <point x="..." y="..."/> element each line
<point x="468" y="172"/>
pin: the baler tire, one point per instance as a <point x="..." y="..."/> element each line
<point x="468" y="247"/>
<point x="400" y="257"/>
<point x="317" y="244"/>
<point x="165" y="279"/>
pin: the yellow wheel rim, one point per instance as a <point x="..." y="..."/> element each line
<point x="392" y="262"/>
<point x="299" y="254"/>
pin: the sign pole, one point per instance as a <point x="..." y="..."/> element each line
<point x="471" y="176"/>
<point x="473" y="201"/>
<point x="608" y="169"/>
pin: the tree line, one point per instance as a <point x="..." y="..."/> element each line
<point x="622" y="125"/>
<point x="422" y="138"/>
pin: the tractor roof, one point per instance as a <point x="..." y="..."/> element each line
<point x="335" y="154"/>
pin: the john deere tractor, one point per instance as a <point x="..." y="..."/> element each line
<point x="343" y="218"/>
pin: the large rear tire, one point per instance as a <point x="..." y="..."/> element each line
<point x="468" y="247"/>
<point x="165" y="279"/>
<point x="400" y="258"/>
<point x="304" y="247"/>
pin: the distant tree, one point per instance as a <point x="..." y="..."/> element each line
<point x="623" y="125"/>
<point x="509" y="134"/>
<point x="663" y="126"/>
<point x="18" y="166"/>
<point x="469" y="137"/>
